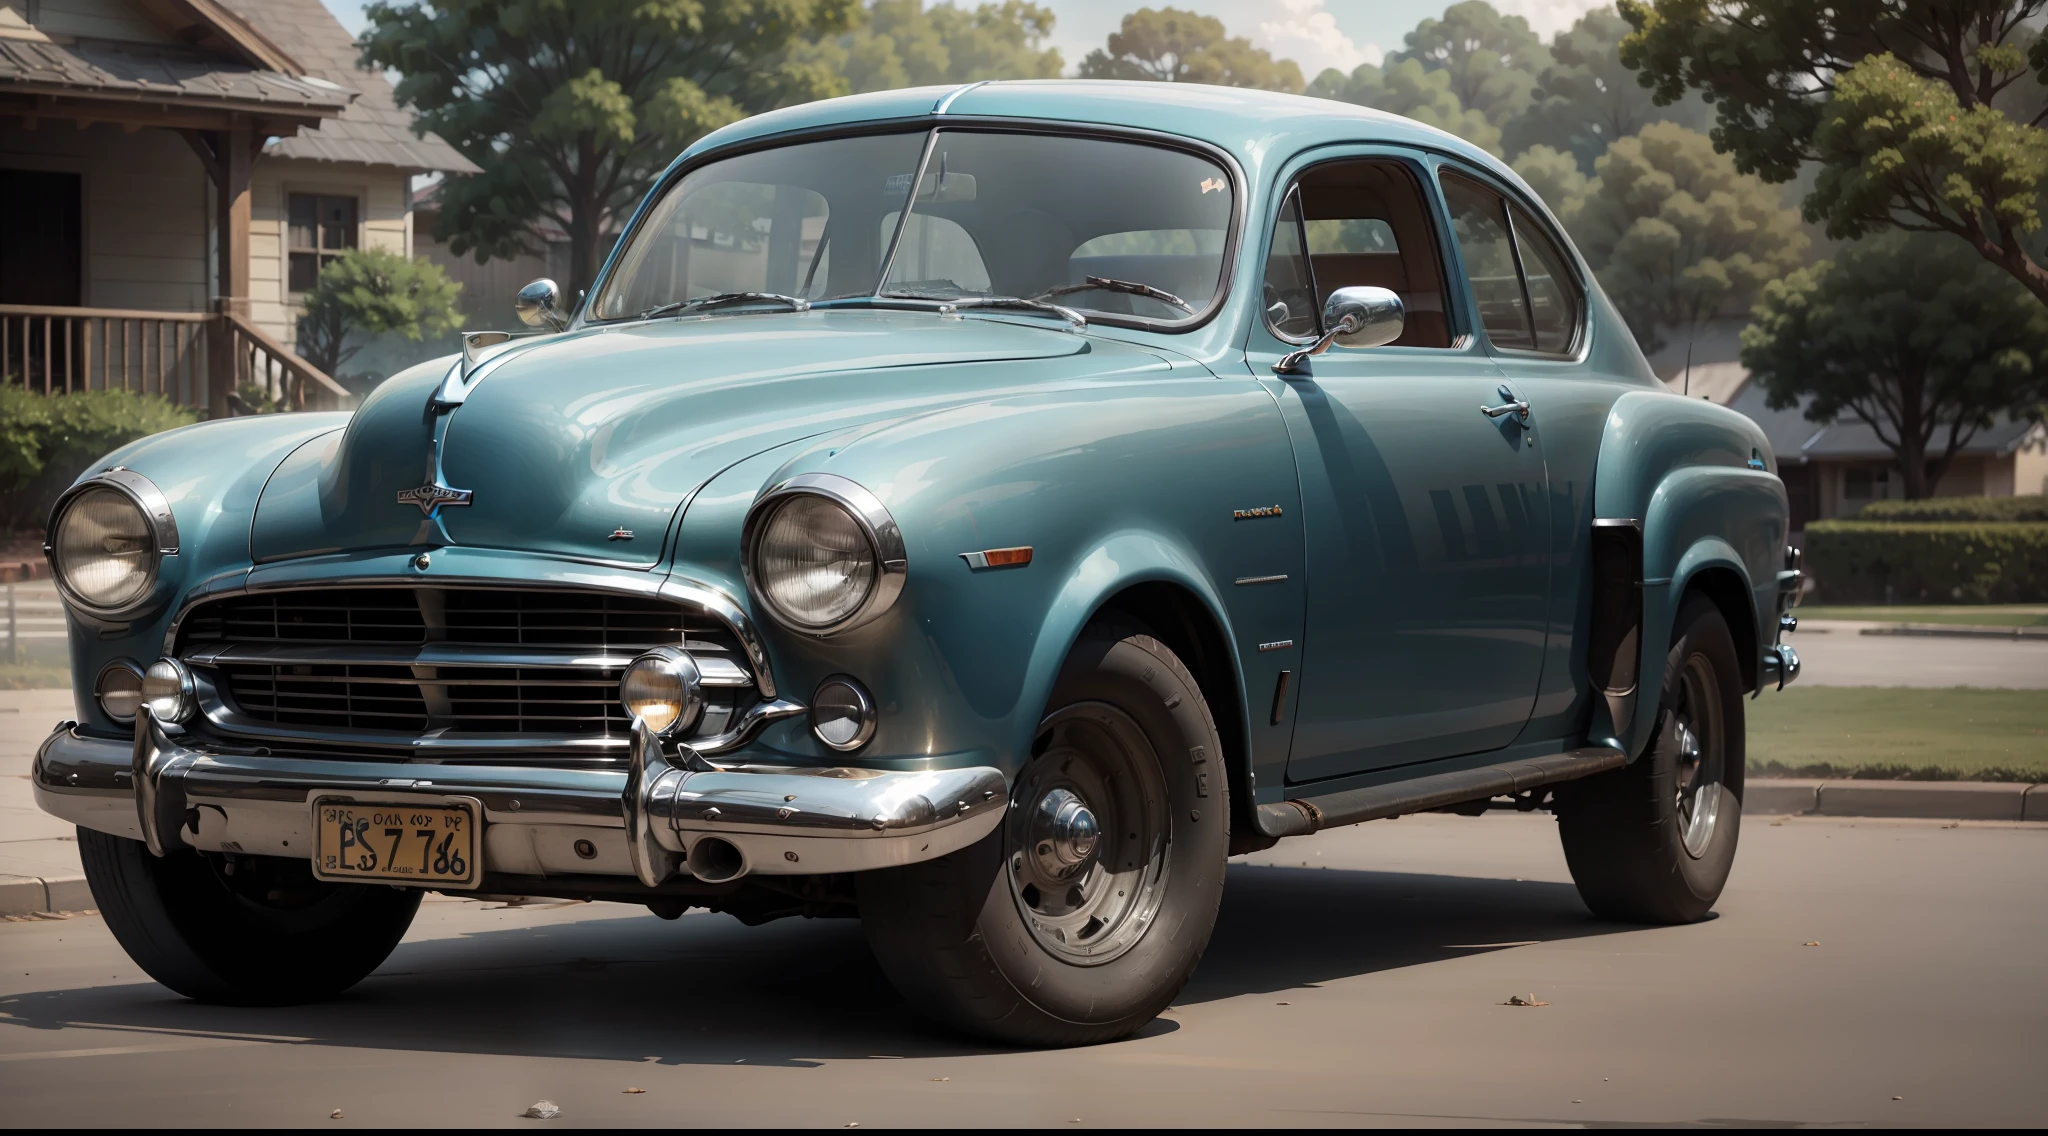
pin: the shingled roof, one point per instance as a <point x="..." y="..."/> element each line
<point x="102" y="67"/>
<point x="373" y="130"/>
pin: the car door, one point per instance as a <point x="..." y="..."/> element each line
<point x="1426" y="519"/>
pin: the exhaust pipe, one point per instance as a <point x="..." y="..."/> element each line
<point x="715" y="860"/>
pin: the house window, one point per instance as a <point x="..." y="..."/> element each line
<point x="1866" y="483"/>
<point x="322" y="228"/>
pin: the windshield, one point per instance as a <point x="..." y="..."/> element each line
<point x="1121" y="230"/>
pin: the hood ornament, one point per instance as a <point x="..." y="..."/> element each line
<point x="435" y="493"/>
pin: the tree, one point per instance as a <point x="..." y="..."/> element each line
<point x="1171" y="45"/>
<point x="1912" y="335"/>
<point x="373" y="292"/>
<point x="903" y="43"/>
<point x="1677" y="236"/>
<point x="572" y="109"/>
<point x="1407" y="88"/>
<point x="1587" y="98"/>
<point x="1902" y="102"/>
<point x="1491" y="61"/>
<point x="1555" y="177"/>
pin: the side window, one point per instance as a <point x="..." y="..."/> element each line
<point x="1480" y="220"/>
<point x="1366" y="225"/>
<point x="1290" y="293"/>
<point x="1556" y="304"/>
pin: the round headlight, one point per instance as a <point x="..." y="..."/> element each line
<point x="842" y="714"/>
<point x="663" y="688"/>
<point x="813" y="561"/>
<point x="168" y="691"/>
<point x="119" y="690"/>
<point x="104" y="549"/>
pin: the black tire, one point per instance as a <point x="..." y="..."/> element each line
<point x="1631" y="835"/>
<point x="267" y="935"/>
<point x="953" y="933"/>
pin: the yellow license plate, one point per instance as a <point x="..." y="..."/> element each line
<point x="429" y="843"/>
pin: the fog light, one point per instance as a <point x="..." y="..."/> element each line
<point x="119" y="690"/>
<point x="842" y="714"/>
<point x="168" y="692"/>
<point x="664" y="689"/>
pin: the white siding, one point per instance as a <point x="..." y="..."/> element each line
<point x="383" y="212"/>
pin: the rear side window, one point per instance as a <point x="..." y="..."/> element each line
<point x="1529" y="299"/>
<point x="1557" y="305"/>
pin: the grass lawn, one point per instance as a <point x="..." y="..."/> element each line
<point x="1914" y="733"/>
<point x="1976" y="615"/>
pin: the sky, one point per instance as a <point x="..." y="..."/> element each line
<point x="1313" y="33"/>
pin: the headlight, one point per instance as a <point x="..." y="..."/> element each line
<point x="663" y="688"/>
<point x="823" y="554"/>
<point x="167" y="690"/>
<point x="107" y="540"/>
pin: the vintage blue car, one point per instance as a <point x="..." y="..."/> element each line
<point x="981" y="511"/>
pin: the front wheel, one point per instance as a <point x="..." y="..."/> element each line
<point x="1653" y="841"/>
<point x="1082" y="917"/>
<point x="251" y="931"/>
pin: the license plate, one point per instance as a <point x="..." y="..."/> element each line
<point x="430" y="843"/>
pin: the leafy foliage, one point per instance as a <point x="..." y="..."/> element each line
<point x="1959" y="510"/>
<point x="1554" y="175"/>
<point x="1911" y="335"/>
<point x="1407" y="88"/>
<point x="1676" y="235"/>
<point x="374" y="292"/>
<point x="1587" y="98"/>
<point x="1172" y="45"/>
<point x="572" y="109"/>
<point x="904" y="43"/>
<point x="1490" y="61"/>
<point x="1881" y="562"/>
<point x="47" y="441"/>
<point x="1902" y="101"/>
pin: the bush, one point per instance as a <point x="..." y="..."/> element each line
<point x="46" y="441"/>
<point x="1958" y="510"/>
<point x="1853" y="562"/>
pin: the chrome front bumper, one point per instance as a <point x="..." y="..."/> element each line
<point x="647" y="822"/>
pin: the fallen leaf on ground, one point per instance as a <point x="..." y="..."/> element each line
<point x="336" y="1114"/>
<point x="1813" y="943"/>
<point x="542" y="1110"/>
<point x="1523" y="1000"/>
<point x="1898" y="1098"/>
<point x="942" y="1078"/>
<point x="636" y="1090"/>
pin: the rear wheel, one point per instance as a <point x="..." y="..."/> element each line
<point x="1654" y="841"/>
<point x="251" y="931"/>
<point x="1082" y="917"/>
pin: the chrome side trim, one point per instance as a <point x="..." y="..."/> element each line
<point x="946" y="103"/>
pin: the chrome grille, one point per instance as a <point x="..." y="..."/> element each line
<point x="493" y="666"/>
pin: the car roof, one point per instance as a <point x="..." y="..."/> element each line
<point x="1257" y="127"/>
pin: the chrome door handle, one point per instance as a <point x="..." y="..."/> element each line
<point x="1516" y="407"/>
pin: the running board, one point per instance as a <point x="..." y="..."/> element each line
<point x="1300" y="817"/>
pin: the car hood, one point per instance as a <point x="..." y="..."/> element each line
<point x="588" y="444"/>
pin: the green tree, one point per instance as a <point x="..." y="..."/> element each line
<point x="1902" y="102"/>
<point x="1587" y="98"/>
<point x="1171" y="45"/>
<point x="1677" y="236"/>
<point x="1912" y="335"/>
<point x="904" y="43"/>
<point x="1406" y="87"/>
<point x="373" y="292"/>
<point x="572" y="109"/>
<point x="1556" y="178"/>
<point x="1491" y="61"/>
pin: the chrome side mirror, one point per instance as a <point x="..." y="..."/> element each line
<point x="538" y="305"/>
<point x="1352" y="317"/>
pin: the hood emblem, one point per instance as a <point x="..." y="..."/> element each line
<point x="621" y="533"/>
<point x="433" y="495"/>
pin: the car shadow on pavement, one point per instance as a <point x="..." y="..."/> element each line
<point x="706" y="990"/>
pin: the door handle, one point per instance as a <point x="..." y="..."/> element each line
<point x="1514" y="406"/>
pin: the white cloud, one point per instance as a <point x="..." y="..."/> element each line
<point x="1309" y="35"/>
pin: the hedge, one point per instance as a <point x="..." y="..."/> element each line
<point x="46" y="441"/>
<point x="1852" y="562"/>
<point x="1957" y="510"/>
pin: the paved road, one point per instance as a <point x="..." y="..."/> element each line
<point x="1355" y="979"/>
<point x="1836" y="654"/>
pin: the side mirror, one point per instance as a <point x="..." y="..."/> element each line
<point x="1352" y="317"/>
<point x="539" y="305"/>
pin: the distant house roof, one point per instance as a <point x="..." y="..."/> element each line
<point x="110" y="69"/>
<point x="373" y="130"/>
<point x="1795" y="439"/>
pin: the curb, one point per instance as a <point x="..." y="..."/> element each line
<point x="1958" y="631"/>
<point x="33" y="895"/>
<point x="1929" y="800"/>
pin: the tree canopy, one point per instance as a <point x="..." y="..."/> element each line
<point x="1491" y="61"/>
<point x="905" y="43"/>
<point x="1587" y="98"/>
<point x="1677" y="236"/>
<point x="373" y="292"/>
<point x="1913" y="335"/>
<point x="1172" y="45"/>
<point x="1900" y="101"/>
<point x="1409" y="89"/>
<point x="573" y="108"/>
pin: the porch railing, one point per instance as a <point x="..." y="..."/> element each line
<point x="199" y="359"/>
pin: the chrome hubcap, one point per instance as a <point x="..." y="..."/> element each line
<point x="1085" y="844"/>
<point x="1695" y="738"/>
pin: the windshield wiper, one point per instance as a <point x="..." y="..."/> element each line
<point x="950" y="304"/>
<point x="796" y="303"/>
<point x="1128" y="287"/>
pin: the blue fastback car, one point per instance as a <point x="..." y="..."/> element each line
<point x="982" y="511"/>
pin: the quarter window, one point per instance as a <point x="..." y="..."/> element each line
<point x="1556" y="303"/>
<point x="321" y="228"/>
<point x="1529" y="298"/>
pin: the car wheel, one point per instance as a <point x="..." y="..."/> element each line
<point x="1083" y="915"/>
<point x="1653" y="841"/>
<point x="254" y="931"/>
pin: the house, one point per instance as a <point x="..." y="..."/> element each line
<point x="173" y="174"/>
